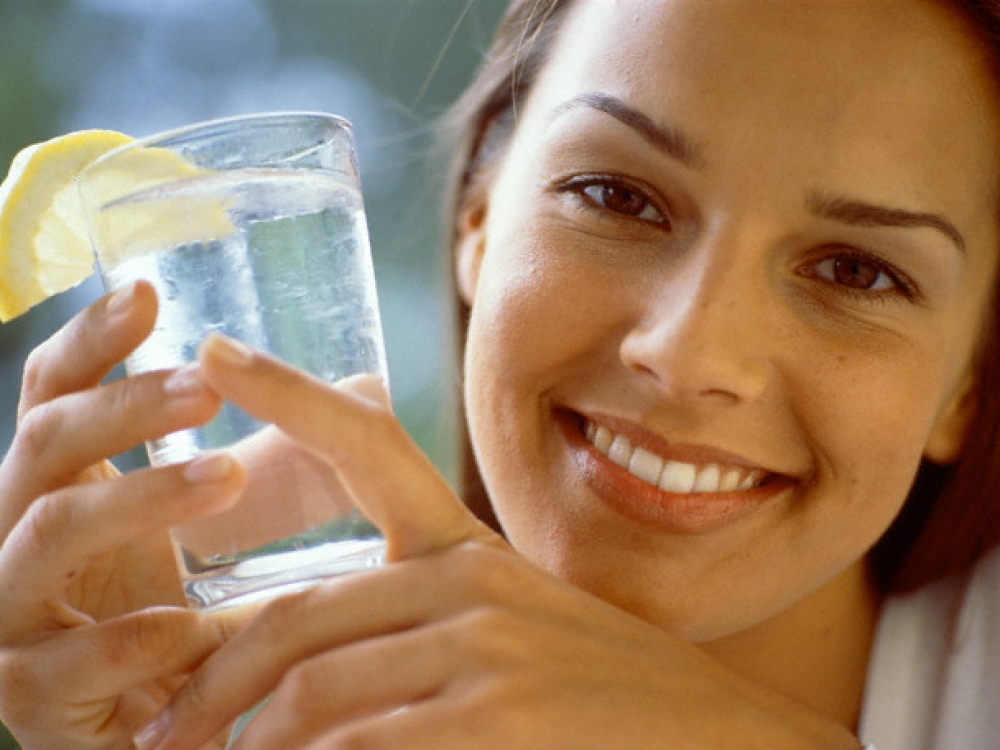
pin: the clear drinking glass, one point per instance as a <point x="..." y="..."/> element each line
<point x="253" y="227"/>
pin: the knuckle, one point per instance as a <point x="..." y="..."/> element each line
<point x="301" y="685"/>
<point x="279" y="616"/>
<point x="489" y="632"/>
<point x="35" y="366"/>
<point x="37" y="429"/>
<point x="227" y="623"/>
<point x="487" y="569"/>
<point x="143" y="636"/>
<point x="45" y="364"/>
<point x="273" y="619"/>
<point x="128" y="397"/>
<point x="486" y="620"/>
<point x="49" y="521"/>
<point x="304" y="695"/>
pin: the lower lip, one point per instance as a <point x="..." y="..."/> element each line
<point x="629" y="496"/>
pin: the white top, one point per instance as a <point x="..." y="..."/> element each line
<point x="934" y="677"/>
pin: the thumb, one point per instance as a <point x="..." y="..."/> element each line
<point x="351" y="427"/>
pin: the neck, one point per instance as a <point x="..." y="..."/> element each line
<point x="817" y="651"/>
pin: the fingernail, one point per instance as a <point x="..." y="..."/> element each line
<point x="186" y="381"/>
<point x="209" y="467"/>
<point x="228" y="350"/>
<point x="121" y="300"/>
<point x="153" y="733"/>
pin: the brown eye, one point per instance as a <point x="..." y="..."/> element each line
<point x="861" y="275"/>
<point x="618" y="197"/>
<point x="855" y="273"/>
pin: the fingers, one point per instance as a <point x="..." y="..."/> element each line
<point x="391" y="480"/>
<point x="336" y="688"/>
<point x="62" y="437"/>
<point x="59" y="439"/>
<point x="352" y="615"/>
<point x="84" y="351"/>
<point x="429" y="725"/>
<point x="67" y="424"/>
<point x="324" y="617"/>
<point x="109" y="660"/>
<point x="63" y="531"/>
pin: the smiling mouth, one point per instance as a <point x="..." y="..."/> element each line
<point x="678" y="477"/>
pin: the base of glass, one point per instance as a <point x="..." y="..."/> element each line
<point x="249" y="581"/>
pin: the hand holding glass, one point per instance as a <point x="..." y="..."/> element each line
<point x="252" y="227"/>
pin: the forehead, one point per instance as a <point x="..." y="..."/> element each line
<point x="896" y="35"/>
<point x="897" y="92"/>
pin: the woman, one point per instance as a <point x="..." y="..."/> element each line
<point x="730" y="273"/>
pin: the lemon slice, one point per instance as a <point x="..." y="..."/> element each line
<point x="149" y="199"/>
<point x="44" y="239"/>
<point x="44" y="247"/>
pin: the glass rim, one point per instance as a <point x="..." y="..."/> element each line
<point x="208" y="126"/>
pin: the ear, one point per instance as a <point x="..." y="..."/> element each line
<point x="470" y="246"/>
<point x="947" y="438"/>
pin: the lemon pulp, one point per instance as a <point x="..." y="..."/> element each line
<point x="44" y="239"/>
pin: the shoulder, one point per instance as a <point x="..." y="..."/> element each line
<point x="934" y="676"/>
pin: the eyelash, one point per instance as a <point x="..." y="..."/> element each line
<point x="901" y="285"/>
<point x="580" y="185"/>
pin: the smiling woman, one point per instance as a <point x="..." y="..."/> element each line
<point x="884" y="264"/>
<point x="727" y="274"/>
<point x="486" y="119"/>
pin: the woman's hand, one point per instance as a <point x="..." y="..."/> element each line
<point x="473" y="647"/>
<point x="87" y="651"/>
<point x="460" y="642"/>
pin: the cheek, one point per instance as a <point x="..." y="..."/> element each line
<point x="506" y="338"/>
<point x="503" y="342"/>
<point x="539" y="323"/>
<point x="536" y="312"/>
<point x="506" y="344"/>
<point x="868" y="418"/>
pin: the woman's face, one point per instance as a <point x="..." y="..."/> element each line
<point x="726" y="288"/>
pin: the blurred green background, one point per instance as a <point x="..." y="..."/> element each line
<point x="390" y="66"/>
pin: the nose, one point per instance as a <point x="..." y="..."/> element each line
<point x="706" y="333"/>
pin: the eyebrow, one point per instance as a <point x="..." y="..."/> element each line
<point x="667" y="139"/>
<point x="862" y="214"/>
<point x="684" y="149"/>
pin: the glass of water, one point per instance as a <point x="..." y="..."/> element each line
<point x="252" y="227"/>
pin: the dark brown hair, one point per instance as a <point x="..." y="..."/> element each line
<point x="952" y="516"/>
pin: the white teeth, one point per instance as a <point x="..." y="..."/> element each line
<point x="731" y="480"/>
<point x="708" y="479"/>
<point x="678" y="477"/>
<point x="671" y="476"/>
<point x="645" y="465"/>
<point x="601" y="438"/>
<point x="620" y="451"/>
